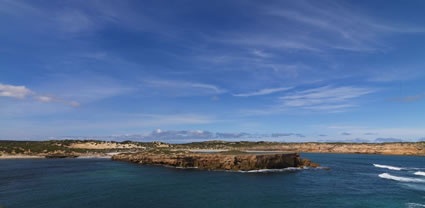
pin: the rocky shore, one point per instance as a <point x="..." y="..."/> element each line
<point x="217" y="161"/>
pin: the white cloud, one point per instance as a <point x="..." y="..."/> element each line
<point x="14" y="91"/>
<point x="263" y="92"/>
<point x="22" y="92"/>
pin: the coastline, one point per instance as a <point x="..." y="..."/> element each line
<point x="105" y="149"/>
<point x="206" y="151"/>
<point x="7" y="157"/>
<point x="20" y="156"/>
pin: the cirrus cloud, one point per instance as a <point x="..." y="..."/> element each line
<point x="262" y="92"/>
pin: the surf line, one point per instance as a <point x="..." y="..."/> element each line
<point x="401" y="179"/>
<point x="387" y="167"/>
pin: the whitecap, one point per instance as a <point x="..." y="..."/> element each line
<point x="273" y="170"/>
<point x="421" y="173"/>
<point x="401" y="179"/>
<point x="413" y="205"/>
<point x="387" y="167"/>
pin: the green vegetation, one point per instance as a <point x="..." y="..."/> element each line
<point x="45" y="147"/>
<point x="20" y="147"/>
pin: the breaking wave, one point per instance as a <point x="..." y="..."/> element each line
<point x="290" y="169"/>
<point x="387" y="167"/>
<point x="421" y="173"/>
<point x="401" y="179"/>
<point x="413" y="205"/>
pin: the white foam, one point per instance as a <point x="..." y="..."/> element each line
<point x="273" y="170"/>
<point x="413" y="205"/>
<point x="387" y="167"/>
<point x="401" y="179"/>
<point x="421" y="173"/>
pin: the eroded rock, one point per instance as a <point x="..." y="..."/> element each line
<point x="219" y="161"/>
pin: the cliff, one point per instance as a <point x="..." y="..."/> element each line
<point x="217" y="161"/>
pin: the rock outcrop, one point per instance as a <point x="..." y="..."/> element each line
<point x="217" y="161"/>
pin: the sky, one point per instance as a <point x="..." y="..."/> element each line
<point x="181" y="71"/>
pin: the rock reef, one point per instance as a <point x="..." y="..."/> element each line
<point x="217" y="161"/>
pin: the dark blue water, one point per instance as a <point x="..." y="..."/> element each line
<point x="352" y="181"/>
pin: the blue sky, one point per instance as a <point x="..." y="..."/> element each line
<point x="197" y="70"/>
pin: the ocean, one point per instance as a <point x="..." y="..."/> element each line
<point x="352" y="181"/>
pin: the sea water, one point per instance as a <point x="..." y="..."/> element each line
<point x="352" y="181"/>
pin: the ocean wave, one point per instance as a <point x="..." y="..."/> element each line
<point x="401" y="179"/>
<point x="421" y="173"/>
<point x="290" y="169"/>
<point x="387" y="167"/>
<point x="413" y="205"/>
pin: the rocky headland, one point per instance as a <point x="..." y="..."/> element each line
<point x="232" y="160"/>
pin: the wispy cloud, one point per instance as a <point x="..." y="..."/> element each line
<point x="22" y="92"/>
<point x="383" y="140"/>
<point x="185" y="88"/>
<point x="326" y="98"/>
<point x="401" y="73"/>
<point x="371" y="132"/>
<point x="183" y="136"/>
<point x="351" y="30"/>
<point x="276" y="135"/>
<point x="261" y="54"/>
<point x="263" y="92"/>
<point x="412" y="98"/>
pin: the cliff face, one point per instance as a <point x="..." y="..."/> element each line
<point x="216" y="161"/>
<point x="385" y="148"/>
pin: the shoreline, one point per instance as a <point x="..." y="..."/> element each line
<point x="6" y="157"/>
<point x="110" y="155"/>
<point x="11" y="157"/>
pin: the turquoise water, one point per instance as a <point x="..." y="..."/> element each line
<point x="352" y="181"/>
